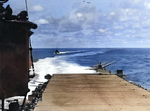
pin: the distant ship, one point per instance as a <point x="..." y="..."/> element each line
<point x="56" y="52"/>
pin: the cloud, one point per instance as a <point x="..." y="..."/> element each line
<point x="70" y="27"/>
<point x="79" y="14"/>
<point x="88" y="24"/>
<point x="78" y="19"/>
<point x="43" y="21"/>
<point x="81" y="22"/>
<point x="102" y="30"/>
<point x="118" y="27"/>
<point x="112" y="13"/>
<point x="147" y="5"/>
<point x="38" y="8"/>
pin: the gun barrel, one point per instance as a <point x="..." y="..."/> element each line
<point x="108" y="64"/>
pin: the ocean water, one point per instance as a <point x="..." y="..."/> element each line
<point x="135" y="62"/>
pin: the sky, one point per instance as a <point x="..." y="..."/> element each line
<point x="88" y="23"/>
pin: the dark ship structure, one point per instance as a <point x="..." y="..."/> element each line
<point x="14" y="52"/>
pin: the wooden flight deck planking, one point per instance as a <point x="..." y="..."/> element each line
<point x="92" y="92"/>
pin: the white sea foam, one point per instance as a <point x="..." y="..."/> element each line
<point x="71" y="52"/>
<point x="80" y="53"/>
<point x="57" y="65"/>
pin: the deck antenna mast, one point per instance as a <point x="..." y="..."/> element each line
<point x="26" y="7"/>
